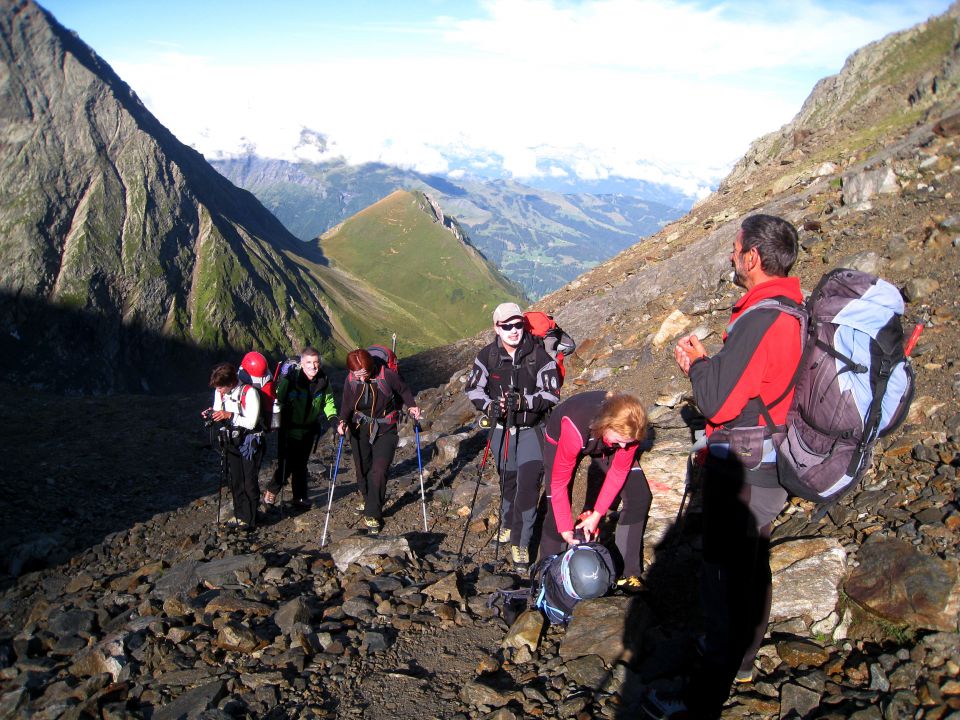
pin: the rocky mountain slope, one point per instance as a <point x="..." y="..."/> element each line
<point x="122" y="250"/>
<point x="128" y="263"/>
<point x="170" y="616"/>
<point x="438" y="286"/>
<point x="538" y="238"/>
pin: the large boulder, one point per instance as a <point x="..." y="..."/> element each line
<point x="900" y="583"/>
<point x="807" y="575"/>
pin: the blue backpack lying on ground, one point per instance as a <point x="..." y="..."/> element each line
<point x="559" y="582"/>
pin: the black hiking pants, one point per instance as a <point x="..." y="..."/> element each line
<point x="631" y="524"/>
<point x="294" y="456"/>
<point x="244" y="483"/>
<point x="739" y="507"/>
<point x="371" y="462"/>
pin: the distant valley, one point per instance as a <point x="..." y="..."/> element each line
<point x="540" y="239"/>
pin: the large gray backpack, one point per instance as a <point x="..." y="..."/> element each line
<point x="854" y="384"/>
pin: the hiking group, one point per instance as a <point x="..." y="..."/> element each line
<point x="794" y="401"/>
<point x="297" y="401"/>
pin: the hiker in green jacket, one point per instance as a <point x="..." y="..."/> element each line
<point x="306" y="400"/>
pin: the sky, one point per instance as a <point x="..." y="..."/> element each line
<point x="662" y="90"/>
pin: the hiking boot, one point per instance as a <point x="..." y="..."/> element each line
<point x="744" y="677"/>
<point x="630" y="585"/>
<point x="373" y="526"/>
<point x="520" y="557"/>
<point x="237" y="523"/>
<point x="504" y="537"/>
<point x="360" y="507"/>
<point x="660" y="705"/>
<point x="301" y="504"/>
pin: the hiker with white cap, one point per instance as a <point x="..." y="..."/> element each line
<point x="515" y="383"/>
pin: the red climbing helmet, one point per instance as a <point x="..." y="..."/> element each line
<point x="255" y="364"/>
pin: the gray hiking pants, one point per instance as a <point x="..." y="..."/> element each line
<point x="520" y="464"/>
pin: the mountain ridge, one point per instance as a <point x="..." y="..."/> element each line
<point x="422" y="261"/>
<point x="127" y="263"/>
<point x="537" y="238"/>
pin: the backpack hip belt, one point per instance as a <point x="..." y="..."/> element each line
<point x="375" y="425"/>
<point x="389" y="419"/>
<point x="238" y="434"/>
<point x="752" y="446"/>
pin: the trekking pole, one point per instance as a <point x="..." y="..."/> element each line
<point x="912" y="341"/>
<point x="223" y="471"/>
<point x="423" y="497"/>
<point x="333" y="484"/>
<point x="694" y="473"/>
<point x="281" y="465"/>
<point x="476" y="489"/>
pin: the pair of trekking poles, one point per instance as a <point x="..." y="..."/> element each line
<point x="336" y="468"/>
<point x="503" y="454"/>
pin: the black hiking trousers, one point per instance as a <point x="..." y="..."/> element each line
<point x="296" y="455"/>
<point x="371" y="462"/>
<point x="631" y="524"/>
<point x="243" y="477"/>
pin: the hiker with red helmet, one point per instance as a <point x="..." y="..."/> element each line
<point x="608" y="429"/>
<point x="516" y="383"/>
<point x="237" y="406"/>
<point x="373" y="396"/>
<point x="306" y="400"/>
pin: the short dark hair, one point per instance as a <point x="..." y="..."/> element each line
<point x="224" y="375"/>
<point x="775" y="240"/>
<point x="312" y="351"/>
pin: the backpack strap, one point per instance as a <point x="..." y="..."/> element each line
<point x="783" y="304"/>
<point x="493" y="356"/>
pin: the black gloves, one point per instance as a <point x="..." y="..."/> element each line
<point x="513" y="401"/>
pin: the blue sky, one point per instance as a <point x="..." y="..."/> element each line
<point x="665" y="90"/>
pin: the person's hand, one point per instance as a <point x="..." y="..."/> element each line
<point x="207" y="414"/>
<point x="415" y="413"/>
<point x="513" y="401"/>
<point x="222" y="415"/>
<point x="588" y="524"/>
<point x="688" y="350"/>
<point x="341" y="427"/>
<point x="569" y="539"/>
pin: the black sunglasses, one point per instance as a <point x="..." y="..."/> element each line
<point x="518" y="325"/>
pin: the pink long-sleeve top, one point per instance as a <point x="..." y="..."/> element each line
<point x="571" y="446"/>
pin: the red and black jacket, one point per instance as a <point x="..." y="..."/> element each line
<point x="756" y="364"/>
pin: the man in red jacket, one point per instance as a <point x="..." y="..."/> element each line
<point x="744" y="391"/>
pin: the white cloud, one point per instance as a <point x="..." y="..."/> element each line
<point x="654" y="89"/>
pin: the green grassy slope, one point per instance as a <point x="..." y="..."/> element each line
<point x="439" y="288"/>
